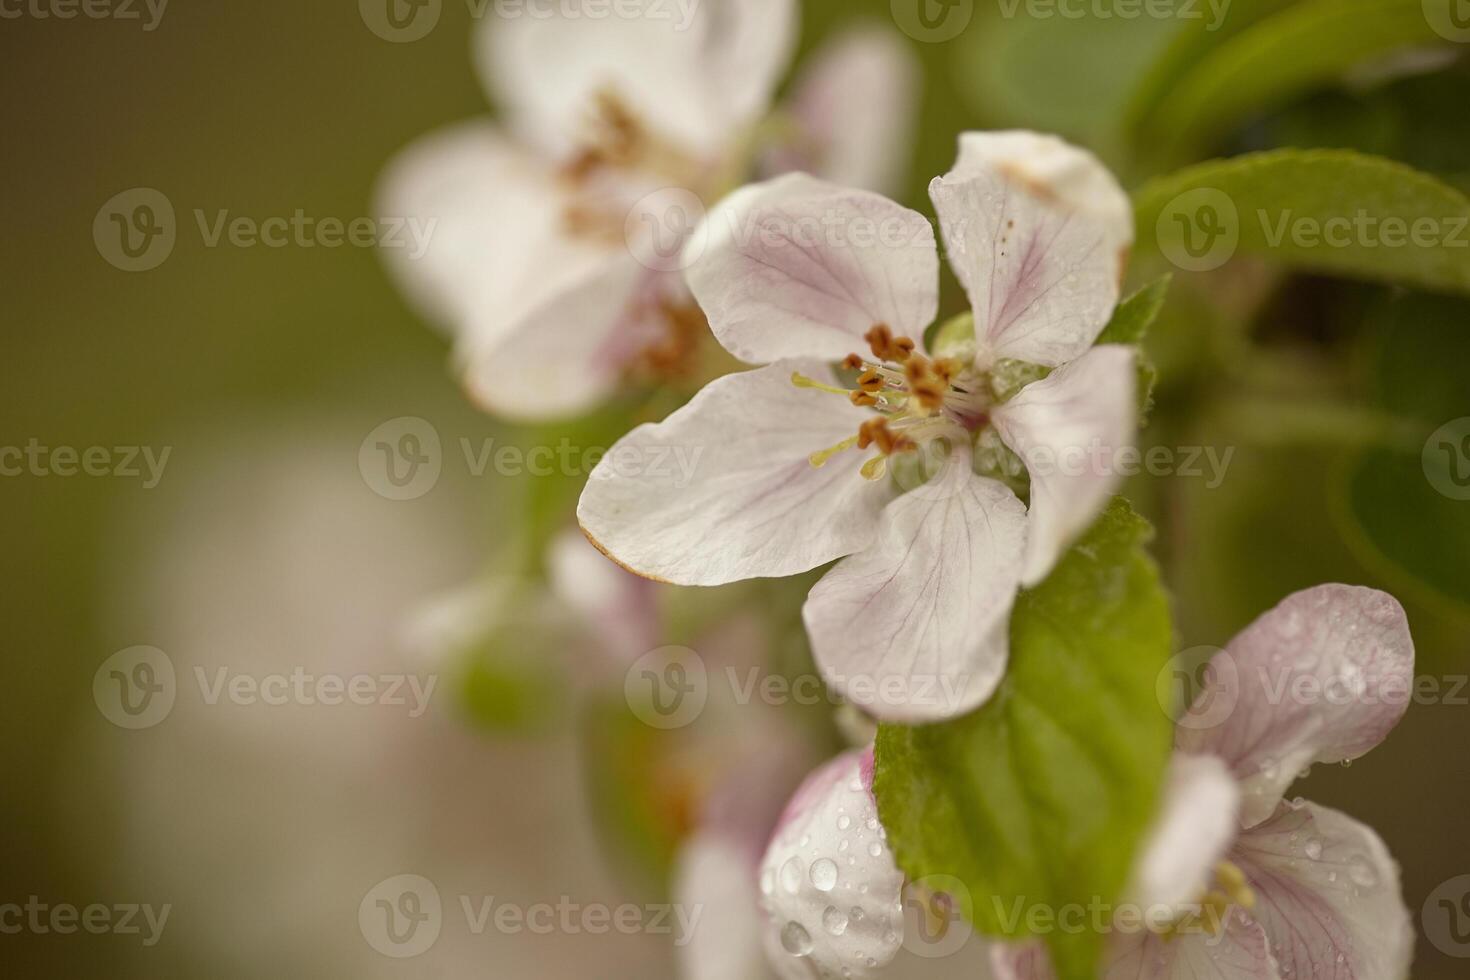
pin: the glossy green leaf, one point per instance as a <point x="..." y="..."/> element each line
<point x="1278" y="59"/>
<point x="1040" y="798"/>
<point x="1406" y="509"/>
<point x="1332" y="211"/>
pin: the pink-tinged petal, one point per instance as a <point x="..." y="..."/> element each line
<point x="619" y="608"/>
<point x="1038" y="232"/>
<point x="723" y="489"/>
<point x="916" y="627"/>
<point x="1020" y="961"/>
<point x="1069" y="429"/>
<point x="1327" y="893"/>
<point x="696" y="74"/>
<point x="489" y="217"/>
<point x="796" y="267"/>
<point x="855" y="111"/>
<point x="1323" y="677"/>
<point x="831" y="891"/>
<point x="567" y="355"/>
<point x="1194" y="829"/>
<point x="1239" y="952"/>
<point x="716" y="880"/>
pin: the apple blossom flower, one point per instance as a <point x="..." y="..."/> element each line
<point x="554" y="261"/>
<point x="796" y="274"/>
<point x="1250" y="886"/>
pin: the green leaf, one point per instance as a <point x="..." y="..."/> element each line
<point x="1332" y="211"/>
<point x="1069" y="75"/>
<point x="1405" y="509"/>
<point x="1278" y="59"/>
<point x="1040" y="798"/>
<point x="1136" y="314"/>
<point x="1189" y="45"/>
<point x="1129" y="325"/>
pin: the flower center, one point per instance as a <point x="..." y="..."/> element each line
<point x="1229" y="888"/>
<point x="916" y="399"/>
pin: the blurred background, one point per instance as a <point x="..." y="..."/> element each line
<point x="258" y="545"/>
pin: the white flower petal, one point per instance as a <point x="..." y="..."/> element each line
<point x="1191" y="835"/>
<point x="831" y="890"/>
<point x="1037" y="231"/>
<point x="715" y="880"/>
<point x="1328" y="896"/>
<point x="490" y="222"/>
<point x="1323" y="677"/>
<point x="855" y="106"/>
<point x="1069" y="428"/>
<point x="796" y="267"/>
<point x="619" y="608"/>
<point x="697" y="79"/>
<point x="568" y="354"/>
<point x="916" y="628"/>
<point x="1240" y="952"/>
<point x="722" y="490"/>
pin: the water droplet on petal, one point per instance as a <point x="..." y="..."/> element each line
<point x="824" y="875"/>
<point x="1314" y="849"/>
<point x="843" y="822"/>
<point x="795" y="939"/>
<point x="1362" y="872"/>
<point x="834" y="920"/>
<point x="791" y="875"/>
<point x="875" y="849"/>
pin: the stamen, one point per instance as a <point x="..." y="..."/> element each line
<point x="874" y="468"/>
<point x="802" y="381"/>
<point x="819" y="459"/>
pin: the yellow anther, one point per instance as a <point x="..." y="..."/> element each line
<point x="1234" y="883"/>
<point x="874" y="468"/>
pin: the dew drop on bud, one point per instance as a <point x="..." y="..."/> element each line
<point x="834" y="920"/>
<point x="795" y="939"/>
<point x="791" y="875"/>
<point x="824" y="875"/>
